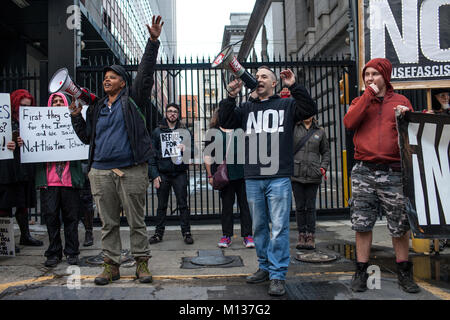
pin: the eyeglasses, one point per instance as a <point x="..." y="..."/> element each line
<point x="172" y="111"/>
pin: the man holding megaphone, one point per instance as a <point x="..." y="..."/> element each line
<point x="120" y="148"/>
<point x="266" y="119"/>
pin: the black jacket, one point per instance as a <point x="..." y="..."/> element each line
<point x="12" y="171"/>
<point x="256" y="117"/>
<point x="138" y="135"/>
<point x="158" y="163"/>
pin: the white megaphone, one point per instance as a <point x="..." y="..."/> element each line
<point x="61" y="82"/>
<point x="227" y="60"/>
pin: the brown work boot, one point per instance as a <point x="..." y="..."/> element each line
<point x="110" y="273"/>
<point x="142" y="271"/>
<point x="309" y="239"/>
<point x="301" y="241"/>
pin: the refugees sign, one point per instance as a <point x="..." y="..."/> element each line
<point x="48" y="136"/>
<point x="169" y="144"/>
<point x="7" y="245"/>
<point x="5" y="126"/>
<point x="413" y="34"/>
<point x="424" y="143"/>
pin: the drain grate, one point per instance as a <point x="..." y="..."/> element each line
<point x="211" y="259"/>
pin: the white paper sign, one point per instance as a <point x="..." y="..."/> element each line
<point x="48" y="135"/>
<point x="169" y="143"/>
<point x="5" y="126"/>
<point x="7" y="245"/>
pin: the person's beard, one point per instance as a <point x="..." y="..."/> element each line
<point x="172" y="121"/>
<point x="445" y="106"/>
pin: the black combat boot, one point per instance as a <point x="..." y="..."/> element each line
<point x="405" y="277"/>
<point x="359" y="280"/>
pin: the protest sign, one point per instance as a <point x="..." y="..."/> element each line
<point x="413" y="34"/>
<point x="7" y="245"/>
<point x="169" y="144"/>
<point x="48" y="135"/>
<point x="5" y="126"/>
<point x="424" y="143"/>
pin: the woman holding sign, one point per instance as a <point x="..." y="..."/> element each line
<point x="16" y="179"/>
<point x="59" y="183"/>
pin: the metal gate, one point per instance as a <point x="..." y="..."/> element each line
<point x="198" y="89"/>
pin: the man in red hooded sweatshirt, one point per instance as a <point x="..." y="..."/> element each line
<point x="376" y="176"/>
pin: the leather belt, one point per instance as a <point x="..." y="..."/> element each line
<point x="374" y="166"/>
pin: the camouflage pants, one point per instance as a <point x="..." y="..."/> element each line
<point x="372" y="189"/>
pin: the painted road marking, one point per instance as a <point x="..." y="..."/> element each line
<point x="441" y="294"/>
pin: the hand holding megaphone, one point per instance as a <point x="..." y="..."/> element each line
<point x="75" y="107"/>
<point x="234" y="87"/>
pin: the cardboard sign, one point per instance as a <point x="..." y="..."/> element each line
<point x="7" y="245"/>
<point x="5" y="126"/>
<point x="413" y="34"/>
<point x="424" y="144"/>
<point x="48" y="135"/>
<point x="169" y="144"/>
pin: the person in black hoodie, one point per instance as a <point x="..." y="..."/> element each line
<point x="120" y="149"/>
<point x="168" y="171"/>
<point x="268" y="122"/>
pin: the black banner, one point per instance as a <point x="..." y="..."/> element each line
<point x="424" y="143"/>
<point x="413" y="34"/>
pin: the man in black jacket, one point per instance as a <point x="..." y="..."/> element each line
<point x="268" y="121"/>
<point x="120" y="149"/>
<point x="168" y="171"/>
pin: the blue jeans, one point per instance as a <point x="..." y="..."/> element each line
<point x="269" y="200"/>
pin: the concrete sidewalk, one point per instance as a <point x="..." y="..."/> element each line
<point x="322" y="280"/>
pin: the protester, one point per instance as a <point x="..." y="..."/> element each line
<point x="167" y="175"/>
<point x="235" y="188"/>
<point x="120" y="148"/>
<point x="17" y="179"/>
<point x="311" y="159"/>
<point x="440" y="101"/>
<point x="59" y="184"/>
<point x="376" y="176"/>
<point x="267" y="117"/>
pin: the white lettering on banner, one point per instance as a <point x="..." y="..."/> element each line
<point x="381" y="17"/>
<point x="7" y="245"/>
<point x="269" y="121"/>
<point x="406" y="44"/>
<point x="5" y="126"/>
<point x="436" y="170"/>
<point x="48" y="135"/>
<point x="169" y="144"/>
<point x="429" y="31"/>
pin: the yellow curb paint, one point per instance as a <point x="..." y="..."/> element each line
<point x="5" y="286"/>
<point x="312" y="274"/>
<point x="433" y="290"/>
<point x="180" y="277"/>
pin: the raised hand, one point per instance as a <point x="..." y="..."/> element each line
<point x="287" y="77"/>
<point x="155" y="29"/>
<point x="234" y="87"/>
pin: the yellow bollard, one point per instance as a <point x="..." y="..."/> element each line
<point x="345" y="178"/>
<point x="420" y="245"/>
